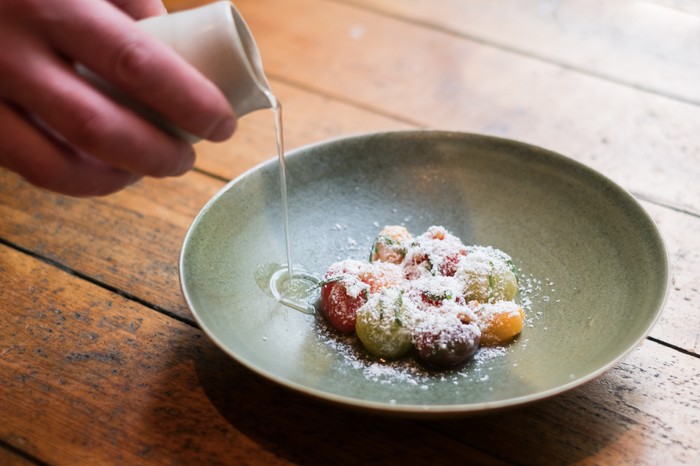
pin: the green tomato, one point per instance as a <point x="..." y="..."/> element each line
<point x="505" y="285"/>
<point x="477" y="286"/>
<point x="489" y="278"/>
<point x="381" y="326"/>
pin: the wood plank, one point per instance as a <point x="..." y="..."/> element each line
<point x="649" y="44"/>
<point x="131" y="242"/>
<point x="89" y="377"/>
<point x="645" y="142"/>
<point x="679" y="322"/>
<point x="642" y="412"/>
<point x="308" y="118"/>
<point x="12" y="458"/>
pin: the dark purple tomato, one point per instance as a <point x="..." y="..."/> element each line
<point x="447" y="345"/>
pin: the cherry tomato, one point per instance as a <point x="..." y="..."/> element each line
<point x="339" y="307"/>
<point x="381" y="275"/>
<point x="447" y="346"/>
<point x="448" y="266"/>
<point x="390" y="245"/>
<point x="381" y="325"/>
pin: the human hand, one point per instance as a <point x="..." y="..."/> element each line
<point x="62" y="134"/>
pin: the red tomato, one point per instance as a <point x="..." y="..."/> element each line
<point x="448" y="267"/>
<point x="340" y="308"/>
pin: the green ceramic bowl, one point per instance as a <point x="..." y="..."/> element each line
<point x="594" y="268"/>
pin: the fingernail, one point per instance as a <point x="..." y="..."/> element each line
<point x="223" y="130"/>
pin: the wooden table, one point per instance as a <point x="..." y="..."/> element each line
<point x="102" y="363"/>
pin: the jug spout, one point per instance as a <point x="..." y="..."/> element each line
<point x="215" y="40"/>
<point x="256" y="94"/>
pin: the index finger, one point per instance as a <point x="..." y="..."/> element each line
<point x="110" y="44"/>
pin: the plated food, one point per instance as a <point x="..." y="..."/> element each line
<point x="430" y="296"/>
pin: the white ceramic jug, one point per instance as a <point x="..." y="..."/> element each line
<point x="216" y="41"/>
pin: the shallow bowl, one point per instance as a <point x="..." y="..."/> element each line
<point x="594" y="270"/>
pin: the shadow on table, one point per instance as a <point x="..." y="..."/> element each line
<point x="303" y="430"/>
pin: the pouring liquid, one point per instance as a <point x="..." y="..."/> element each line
<point x="297" y="289"/>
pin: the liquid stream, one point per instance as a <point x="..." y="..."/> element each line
<point x="296" y="289"/>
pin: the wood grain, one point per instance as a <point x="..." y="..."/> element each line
<point x="105" y="380"/>
<point x="679" y="323"/>
<point x="98" y="379"/>
<point x="640" y="412"/>
<point x="439" y="80"/>
<point x="101" y="362"/>
<point x="649" y="45"/>
<point x="308" y="118"/>
<point x="131" y="242"/>
<point x="10" y="457"/>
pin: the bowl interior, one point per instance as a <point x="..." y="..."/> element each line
<point x="594" y="269"/>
